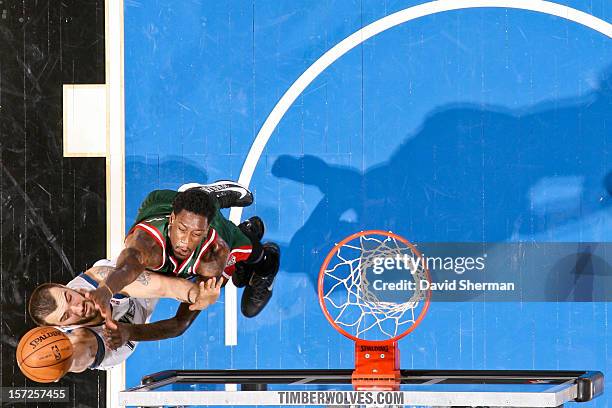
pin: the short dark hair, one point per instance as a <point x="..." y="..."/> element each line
<point x="41" y="303"/>
<point x="195" y="201"/>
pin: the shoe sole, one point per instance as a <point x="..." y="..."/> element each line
<point x="239" y="188"/>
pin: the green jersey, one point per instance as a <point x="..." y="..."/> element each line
<point x="153" y="218"/>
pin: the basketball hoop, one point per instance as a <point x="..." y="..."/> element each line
<point x="370" y="291"/>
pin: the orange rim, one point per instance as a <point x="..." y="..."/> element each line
<point x="331" y="254"/>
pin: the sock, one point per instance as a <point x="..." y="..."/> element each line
<point x="257" y="252"/>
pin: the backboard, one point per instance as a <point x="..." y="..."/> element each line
<point x="333" y="388"/>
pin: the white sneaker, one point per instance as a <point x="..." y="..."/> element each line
<point x="228" y="193"/>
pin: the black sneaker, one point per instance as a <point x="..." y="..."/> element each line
<point x="258" y="292"/>
<point x="228" y="193"/>
<point x="242" y="274"/>
<point x="253" y="227"/>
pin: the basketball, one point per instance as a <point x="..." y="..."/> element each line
<point x="44" y="354"/>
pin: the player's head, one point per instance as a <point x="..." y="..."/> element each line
<point x="192" y="211"/>
<point x="52" y="304"/>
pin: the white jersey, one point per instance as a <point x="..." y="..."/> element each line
<point x="124" y="310"/>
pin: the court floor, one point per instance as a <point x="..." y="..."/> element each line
<point x="469" y="125"/>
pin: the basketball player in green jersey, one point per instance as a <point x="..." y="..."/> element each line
<point x="184" y="234"/>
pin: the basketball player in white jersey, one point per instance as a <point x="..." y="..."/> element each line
<point x="102" y="344"/>
<point x="96" y="343"/>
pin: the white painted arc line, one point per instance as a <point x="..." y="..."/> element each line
<point x="377" y="27"/>
<point x="384" y="24"/>
<point x="344" y="46"/>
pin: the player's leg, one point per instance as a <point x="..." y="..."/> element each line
<point x="258" y="291"/>
<point x="254" y="229"/>
<point x="228" y="193"/>
<point x="251" y="264"/>
<point x="256" y="273"/>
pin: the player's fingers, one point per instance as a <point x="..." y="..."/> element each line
<point x="84" y="292"/>
<point x="117" y="341"/>
<point x="110" y="323"/>
<point x="107" y="341"/>
<point x="97" y="304"/>
<point x="107" y="311"/>
<point x="219" y="282"/>
<point x="111" y="340"/>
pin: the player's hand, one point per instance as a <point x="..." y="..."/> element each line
<point x="115" y="334"/>
<point x="208" y="293"/>
<point x="101" y="298"/>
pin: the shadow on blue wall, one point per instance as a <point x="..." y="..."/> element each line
<point x="471" y="173"/>
<point x="585" y="276"/>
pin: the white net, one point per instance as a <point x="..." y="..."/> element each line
<point x="371" y="287"/>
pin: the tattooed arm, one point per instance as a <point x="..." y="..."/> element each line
<point x="151" y="285"/>
<point x="117" y="333"/>
<point x="141" y="251"/>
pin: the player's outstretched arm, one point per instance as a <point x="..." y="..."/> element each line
<point x="154" y="285"/>
<point x="85" y="347"/>
<point x="151" y="285"/>
<point x="141" y="251"/>
<point x="117" y="334"/>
